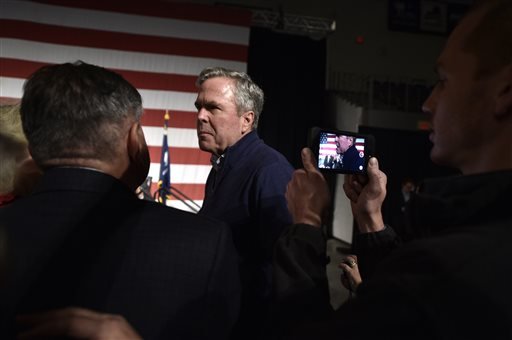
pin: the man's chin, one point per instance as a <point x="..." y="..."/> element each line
<point x="434" y="155"/>
<point x="440" y="158"/>
<point x="206" y="147"/>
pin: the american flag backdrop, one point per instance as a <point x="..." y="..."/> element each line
<point x="328" y="144"/>
<point x="160" y="47"/>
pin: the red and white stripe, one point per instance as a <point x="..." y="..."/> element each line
<point x="159" y="47"/>
<point x="360" y="144"/>
<point x="329" y="148"/>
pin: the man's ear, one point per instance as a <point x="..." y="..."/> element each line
<point x="133" y="144"/>
<point x="138" y="154"/>
<point x="247" y="121"/>
<point x="504" y="100"/>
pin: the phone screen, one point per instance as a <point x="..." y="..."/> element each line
<point x="341" y="151"/>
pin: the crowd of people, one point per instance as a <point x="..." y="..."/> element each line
<point x="83" y="257"/>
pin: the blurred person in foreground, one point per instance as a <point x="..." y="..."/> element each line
<point x="454" y="283"/>
<point x="76" y="323"/>
<point x="18" y="172"/>
<point x="83" y="239"/>
<point x="246" y="185"/>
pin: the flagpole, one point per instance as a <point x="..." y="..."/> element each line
<point x="164" y="181"/>
<point x="165" y="189"/>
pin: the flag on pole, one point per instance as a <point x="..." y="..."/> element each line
<point x="164" y="181"/>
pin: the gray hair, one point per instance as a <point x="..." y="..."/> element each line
<point x="248" y="95"/>
<point x="77" y="111"/>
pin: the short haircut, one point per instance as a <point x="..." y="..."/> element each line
<point x="77" y="110"/>
<point x="248" y="96"/>
<point x="352" y="138"/>
<point x="491" y="40"/>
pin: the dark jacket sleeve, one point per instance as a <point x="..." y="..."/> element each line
<point x="301" y="291"/>
<point x="371" y="248"/>
<point x="223" y="288"/>
<point x="272" y="214"/>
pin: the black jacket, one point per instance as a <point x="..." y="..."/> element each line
<point x="453" y="283"/>
<point x="84" y="239"/>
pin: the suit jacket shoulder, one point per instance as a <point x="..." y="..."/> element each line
<point x="88" y="241"/>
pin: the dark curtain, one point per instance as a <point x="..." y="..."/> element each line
<point x="291" y="71"/>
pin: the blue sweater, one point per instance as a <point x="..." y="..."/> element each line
<point x="247" y="193"/>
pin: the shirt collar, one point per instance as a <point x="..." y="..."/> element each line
<point x="217" y="161"/>
<point x="234" y="151"/>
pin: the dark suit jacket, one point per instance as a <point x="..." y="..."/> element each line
<point x="84" y="239"/>
<point x="452" y="284"/>
<point x="351" y="160"/>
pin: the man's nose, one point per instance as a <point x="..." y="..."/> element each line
<point x="202" y="115"/>
<point x="428" y="106"/>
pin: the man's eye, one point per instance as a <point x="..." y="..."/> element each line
<point x="210" y="107"/>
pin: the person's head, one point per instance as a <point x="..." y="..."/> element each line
<point x="343" y="143"/>
<point x="471" y="106"/>
<point x="408" y="184"/>
<point x="228" y="106"/>
<point x="13" y="146"/>
<point x="77" y="114"/>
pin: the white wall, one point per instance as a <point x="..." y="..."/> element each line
<point x="383" y="52"/>
<point x="348" y="118"/>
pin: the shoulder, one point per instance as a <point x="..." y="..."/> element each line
<point x="252" y="151"/>
<point x="265" y="156"/>
<point x="179" y="221"/>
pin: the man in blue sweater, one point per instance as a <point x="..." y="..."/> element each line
<point x="246" y="185"/>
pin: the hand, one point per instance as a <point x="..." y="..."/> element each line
<point x="307" y="193"/>
<point x="351" y="277"/>
<point x="366" y="194"/>
<point x="76" y="323"/>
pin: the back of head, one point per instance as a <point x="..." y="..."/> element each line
<point x="491" y="40"/>
<point x="13" y="146"/>
<point x="77" y="111"/>
<point x="248" y="95"/>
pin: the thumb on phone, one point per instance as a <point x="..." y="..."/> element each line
<point x="308" y="160"/>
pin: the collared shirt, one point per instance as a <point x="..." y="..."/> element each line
<point x="217" y="161"/>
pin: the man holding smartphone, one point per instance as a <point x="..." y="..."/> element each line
<point x="452" y="284"/>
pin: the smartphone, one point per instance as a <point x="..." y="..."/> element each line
<point x="340" y="151"/>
